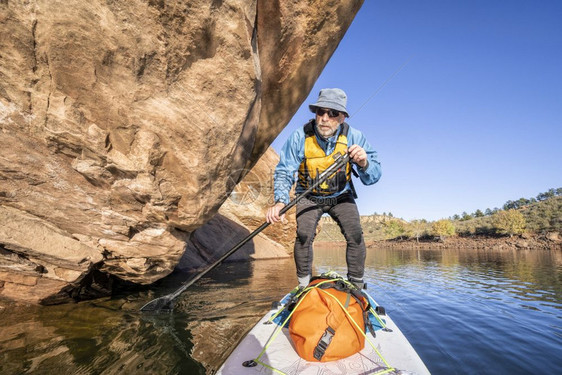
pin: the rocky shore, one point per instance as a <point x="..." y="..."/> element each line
<point x="551" y="241"/>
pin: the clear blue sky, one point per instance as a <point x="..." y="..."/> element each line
<point x="473" y="118"/>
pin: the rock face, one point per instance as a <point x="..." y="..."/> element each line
<point x="241" y="214"/>
<point x="121" y="123"/>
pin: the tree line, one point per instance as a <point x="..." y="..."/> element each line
<point x="510" y="205"/>
<point x="538" y="215"/>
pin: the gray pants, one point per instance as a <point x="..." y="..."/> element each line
<point x="344" y="211"/>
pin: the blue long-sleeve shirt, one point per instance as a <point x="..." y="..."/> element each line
<point x="292" y="155"/>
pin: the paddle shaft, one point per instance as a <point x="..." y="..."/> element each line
<point x="340" y="162"/>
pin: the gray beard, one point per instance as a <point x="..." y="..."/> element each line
<point x="326" y="137"/>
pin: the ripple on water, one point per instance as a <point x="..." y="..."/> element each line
<point x="465" y="311"/>
<point x="496" y="310"/>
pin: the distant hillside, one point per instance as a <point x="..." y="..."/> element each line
<point x="373" y="228"/>
<point x="534" y="217"/>
<point x="541" y="217"/>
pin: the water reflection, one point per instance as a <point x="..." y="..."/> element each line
<point x="228" y="304"/>
<point x="107" y="336"/>
<point x="111" y="336"/>
<point x="465" y="311"/>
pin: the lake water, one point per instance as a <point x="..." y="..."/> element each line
<point x="465" y="311"/>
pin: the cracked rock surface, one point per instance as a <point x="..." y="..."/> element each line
<point x="121" y="123"/>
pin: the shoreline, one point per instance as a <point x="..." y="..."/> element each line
<point x="490" y="243"/>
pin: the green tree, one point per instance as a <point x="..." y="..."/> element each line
<point x="478" y="213"/>
<point x="418" y="228"/>
<point x="522" y="202"/>
<point x="546" y="195"/>
<point x="509" y="205"/>
<point x="509" y="222"/>
<point x="394" y="229"/>
<point x="443" y="228"/>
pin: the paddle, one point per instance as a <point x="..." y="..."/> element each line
<point x="166" y="302"/>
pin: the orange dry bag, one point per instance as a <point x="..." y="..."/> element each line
<point x="328" y="321"/>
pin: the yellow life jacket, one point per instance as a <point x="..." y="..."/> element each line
<point x="316" y="161"/>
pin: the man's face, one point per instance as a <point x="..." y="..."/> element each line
<point x="327" y="121"/>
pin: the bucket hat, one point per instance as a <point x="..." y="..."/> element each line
<point x="331" y="99"/>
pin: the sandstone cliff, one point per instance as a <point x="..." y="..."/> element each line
<point x="239" y="215"/>
<point x="121" y="123"/>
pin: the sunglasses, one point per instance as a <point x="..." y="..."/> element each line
<point x="331" y="112"/>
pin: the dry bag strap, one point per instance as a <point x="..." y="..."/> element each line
<point x="324" y="342"/>
<point x="329" y="333"/>
<point x="341" y="286"/>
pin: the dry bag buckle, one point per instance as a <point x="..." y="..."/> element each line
<point x="324" y="342"/>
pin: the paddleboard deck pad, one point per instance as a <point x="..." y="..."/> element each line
<point x="388" y="352"/>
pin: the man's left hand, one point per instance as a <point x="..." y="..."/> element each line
<point x="358" y="155"/>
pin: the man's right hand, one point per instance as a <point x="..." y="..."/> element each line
<point x="272" y="214"/>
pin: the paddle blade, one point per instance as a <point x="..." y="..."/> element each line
<point x="159" y="304"/>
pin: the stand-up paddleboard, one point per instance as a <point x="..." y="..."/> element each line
<point x="268" y="349"/>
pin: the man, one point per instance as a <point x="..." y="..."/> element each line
<point x="310" y="150"/>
